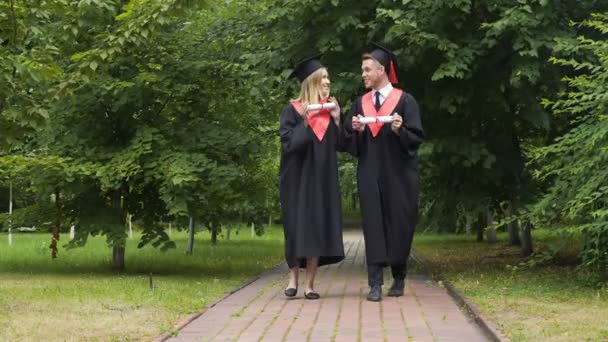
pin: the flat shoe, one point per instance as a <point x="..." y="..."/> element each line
<point x="290" y="292"/>
<point x="312" y="295"/>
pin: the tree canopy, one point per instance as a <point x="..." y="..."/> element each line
<point x="168" y="109"/>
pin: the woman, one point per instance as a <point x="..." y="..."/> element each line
<point x="308" y="178"/>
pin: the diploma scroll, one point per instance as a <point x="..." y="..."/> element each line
<point x="375" y="119"/>
<point x="317" y="106"/>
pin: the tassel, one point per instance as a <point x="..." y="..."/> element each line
<point x="393" y="75"/>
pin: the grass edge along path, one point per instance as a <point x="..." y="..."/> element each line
<point x="77" y="294"/>
<point x="549" y="300"/>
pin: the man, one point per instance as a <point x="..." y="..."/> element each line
<point x="387" y="174"/>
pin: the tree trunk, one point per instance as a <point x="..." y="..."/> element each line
<point x="215" y="227"/>
<point x="526" y="241"/>
<point x="118" y="256"/>
<point x="512" y="227"/>
<point x="514" y="239"/>
<point x="190" y="245"/>
<point x="10" y="214"/>
<point x="57" y="226"/>
<point x="119" y="246"/>
<point x="129" y="218"/>
<point x="479" y="227"/>
<point x="228" y="232"/>
<point x="491" y="232"/>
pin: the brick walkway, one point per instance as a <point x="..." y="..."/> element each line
<point x="260" y="311"/>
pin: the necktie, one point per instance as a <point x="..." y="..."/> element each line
<point x="377" y="101"/>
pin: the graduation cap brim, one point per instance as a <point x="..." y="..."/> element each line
<point x="382" y="54"/>
<point x="386" y="58"/>
<point x="306" y="67"/>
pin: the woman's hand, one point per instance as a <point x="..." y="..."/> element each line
<point x="304" y="113"/>
<point x="335" y="113"/>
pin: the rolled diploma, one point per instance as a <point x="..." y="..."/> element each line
<point x="317" y="106"/>
<point x="374" y="119"/>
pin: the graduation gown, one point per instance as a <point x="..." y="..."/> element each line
<point x="309" y="192"/>
<point x="387" y="177"/>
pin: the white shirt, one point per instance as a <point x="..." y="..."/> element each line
<point x="384" y="92"/>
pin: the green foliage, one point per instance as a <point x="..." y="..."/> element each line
<point x="37" y="215"/>
<point x="475" y="68"/>
<point x="30" y="45"/>
<point x="155" y="107"/>
<point x="574" y="163"/>
<point x="151" y="112"/>
<point x="168" y="109"/>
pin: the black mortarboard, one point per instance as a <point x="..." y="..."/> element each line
<point x="306" y="67"/>
<point x="387" y="58"/>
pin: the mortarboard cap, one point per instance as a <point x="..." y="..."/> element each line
<point x="306" y="67"/>
<point x="387" y="58"/>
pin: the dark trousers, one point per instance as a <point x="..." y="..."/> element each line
<point x="375" y="273"/>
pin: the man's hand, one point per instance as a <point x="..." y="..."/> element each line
<point x="396" y="123"/>
<point x="357" y="124"/>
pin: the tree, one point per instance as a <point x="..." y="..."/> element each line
<point x="574" y="163"/>
<point x="29" y="47"/>
<point x="478" y="69"/>
<point x="166" y="115"/>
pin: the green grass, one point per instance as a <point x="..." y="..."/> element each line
<point x="551" y="301"/>
<point x="78" y="297"/>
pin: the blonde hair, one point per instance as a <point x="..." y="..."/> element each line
<point x="310" y="89"/>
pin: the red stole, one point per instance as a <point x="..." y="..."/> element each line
<point x="318" y="120"/>
<point x="367" y="103"/>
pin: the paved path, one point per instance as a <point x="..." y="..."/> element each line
<point x="260" y="311"/>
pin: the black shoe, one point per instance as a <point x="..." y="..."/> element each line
<point x="396" y="289"/>
<point x="375" y="293"/>
<point x="311" y="295"/>
<point x="290" y="292"/>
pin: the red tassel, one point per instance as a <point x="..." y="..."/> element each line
<point x="393" y="75"/>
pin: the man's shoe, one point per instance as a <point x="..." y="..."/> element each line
<point x="396" y="289"/>
<point x="375" y="293"/>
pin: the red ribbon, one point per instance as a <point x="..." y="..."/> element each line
<point x="318" y="120"/>
<point x="393" y="75"/>
<point x="369" y="110"/>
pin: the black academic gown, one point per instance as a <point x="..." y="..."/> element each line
<point x="309" y="192"/>
<point x="387" y="177"/>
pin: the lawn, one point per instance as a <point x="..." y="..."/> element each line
<point x="78" y="297"/>
<point x="549" y="301"/>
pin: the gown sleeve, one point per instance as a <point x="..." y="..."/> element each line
<point x="411" y="134"/>
<point x="340" y="141"/>
<point x="349" y="138"/>
<point x="294" y="134"/>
